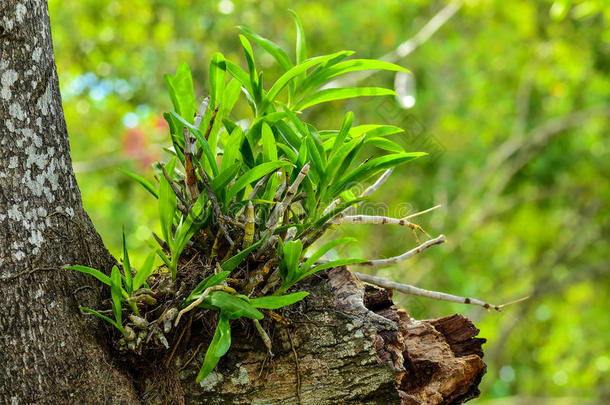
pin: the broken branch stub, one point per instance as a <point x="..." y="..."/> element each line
<point x="345" y="343"/>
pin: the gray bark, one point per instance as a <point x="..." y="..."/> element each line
<point x="345" y="342"/>
<point x="49" y="353"/>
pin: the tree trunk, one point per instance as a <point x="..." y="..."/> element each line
<point x="49" y="352"/>
<point x="343" y="343"/>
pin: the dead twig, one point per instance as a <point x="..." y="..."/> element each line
<point x="215" y="205"/>
<point x="405" y="256"/>
<point x="177" y="191"/>
<point x="436" y="295"/>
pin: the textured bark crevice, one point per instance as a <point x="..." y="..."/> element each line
<point x="50" y="353"/>
<point x="349" y="343"/>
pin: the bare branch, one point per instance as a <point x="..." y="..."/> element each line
<point x="436" y="295"/>
<point x="376" y="185"/>
<point x="182" y="207"/>
<point x="249" y="228"/>
<point x="366" y="193"/>
<point x="405" y="256"/>
<point x="215" y="205"/>
<point x="259" y="184"/>
<point x="263" y="335"/>
<point x="209" y="130"/>
<point x="202" y="109"/>
<point x="279" y="209"/>
<point x="422" y="212"/>
<point x="191" y="178"/>
<point x="212" y="120"/>
<point x="377" y="220"/>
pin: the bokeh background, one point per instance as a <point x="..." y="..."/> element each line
<point x="511" y="100"/>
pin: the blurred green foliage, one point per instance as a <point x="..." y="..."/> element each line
<point x="512" y="101"/>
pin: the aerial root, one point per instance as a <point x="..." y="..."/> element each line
<point x="436" y="295"/>
<point x="405" y="256"/>
<point x="264" y="336"/>
<point x="202" y="297"/>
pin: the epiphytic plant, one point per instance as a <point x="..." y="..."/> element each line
<point x="241" y="203"/>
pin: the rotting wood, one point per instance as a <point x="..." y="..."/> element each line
<point x="353" y="345"/>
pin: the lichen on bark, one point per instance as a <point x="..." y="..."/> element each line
<point x="50" y="353"/>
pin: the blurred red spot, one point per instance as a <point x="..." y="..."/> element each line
<point x="135" y="145"/>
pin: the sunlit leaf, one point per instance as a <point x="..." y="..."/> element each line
<point x="145" y="183"/>
<point x="275" y="302"/>
<point x="342" y="93"/>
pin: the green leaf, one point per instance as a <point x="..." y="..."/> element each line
<point x="289" y="265"/>
<point x="290" y="137"/>
<point x="385" y="144"/>
<point x="224" y="343"/>
<point x="288" y="152"/>
<point x="251" y="67"/>
<point x="247" y="155"/>
<point x="331" y="264"/>
<point x="275" y="302"/>
<point x="325" y="218"/>
<point x="202" y="142"/>
<point x="218" y="69"/>
<point x="340" y="138"/>
<point x="374" y="130"/>
<point x="207" y="282"/>
<point x="341" y="93"/>
<point x="145" y="270"/>
<point x="188" y="227"/>
<point x="269" y="148"/>
<point x="229" y="97"/>
<point x="315" y="136"/>
<point x="317" y="79"/>
<point x="317" y="165"/>
<point x="231" y="149"/>
<point x="236" y="260"/>
<point x="211" y="358"/>
<point x="371" y="167"/>
<point x="245" y="44"/>
<point x="180" y="87"/>
<point x="93" y="272"/>
<point x="294" y="72"/>
<point x="127" y="266"/>
<point x="305" y="84"/>
<point x="233" y="306"/>
<point x="241" y="76"/>
<point x="352" y="149"/>
<point x="164" y="257"/>
<point x="145" y="183"/>
<point x="252" y="175"/>
<point x="116" y="293"/>
<point x="301" y="44"/>
<point x="272" y="48"/>
<point x="167" y="203"/>
<point x="104" y="317"/>
<point x="225" y="177"/>
<point x="322" y="251"/>
<point x="339" y="164"/>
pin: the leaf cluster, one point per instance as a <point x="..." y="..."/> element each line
<point x="251" y="195"/>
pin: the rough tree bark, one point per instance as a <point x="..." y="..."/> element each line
<point x="48" y="352"/>
<point x="348" y="343"/>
